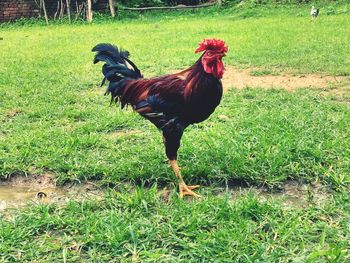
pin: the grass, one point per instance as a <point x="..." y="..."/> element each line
<point x="54" y="118"/>
<point x="262" y="73"/>
<point x="62" y="123"/>
<point x="140" y="227"/>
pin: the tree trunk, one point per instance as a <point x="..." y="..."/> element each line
<point x="68" y="10"/>
<point x="111" y="7"/>
<point x="45" y="13"/>
<point x="89" y="11"/>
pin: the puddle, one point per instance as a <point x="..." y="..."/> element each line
<point x="13" y="197"/>
<point x="19" y="191"/>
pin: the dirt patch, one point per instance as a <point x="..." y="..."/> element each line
<point x="12" y="113"/>
<point x="33" y="181"/>
<point x="240" y="79"/>
<point x="340" y="94"/>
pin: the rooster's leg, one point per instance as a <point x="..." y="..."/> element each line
<point x="184" y="189"/>
<point x="172" y="133"/>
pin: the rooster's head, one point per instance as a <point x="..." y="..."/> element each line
<point x="214" y="50"/>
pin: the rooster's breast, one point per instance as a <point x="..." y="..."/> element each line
<point x="203" y="101"/>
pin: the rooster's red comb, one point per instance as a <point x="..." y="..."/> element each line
<point x="213" y="44"/>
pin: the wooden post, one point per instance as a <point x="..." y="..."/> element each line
<point x="111" y="7"/>
<point x="89" y="11"/>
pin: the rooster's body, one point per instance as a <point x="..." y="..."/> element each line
<point x="170" y="102"/>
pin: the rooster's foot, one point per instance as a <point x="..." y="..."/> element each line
<point x="187" y="190"/>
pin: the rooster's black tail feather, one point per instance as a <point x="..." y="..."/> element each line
<point x="117" y="68"/>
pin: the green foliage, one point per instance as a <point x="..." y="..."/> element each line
<point x="147" y="3"/>
<point x="143" y="3"/>
<point x="287" y="2"/>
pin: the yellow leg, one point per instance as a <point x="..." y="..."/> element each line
<point x="184" y="189"/>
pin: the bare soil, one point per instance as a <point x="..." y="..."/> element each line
<point x="13" y="112"/>
<point x="33" y="181"/>
<point x="242" y="78"/>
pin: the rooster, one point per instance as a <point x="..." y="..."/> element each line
<point x="171" y="102"/>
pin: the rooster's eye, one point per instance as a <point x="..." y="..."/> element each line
<point x="209" y="53"/>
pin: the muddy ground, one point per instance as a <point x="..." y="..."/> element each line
<point x="37" y="189"/>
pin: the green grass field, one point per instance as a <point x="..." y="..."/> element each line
<point x="54" y="118"/>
